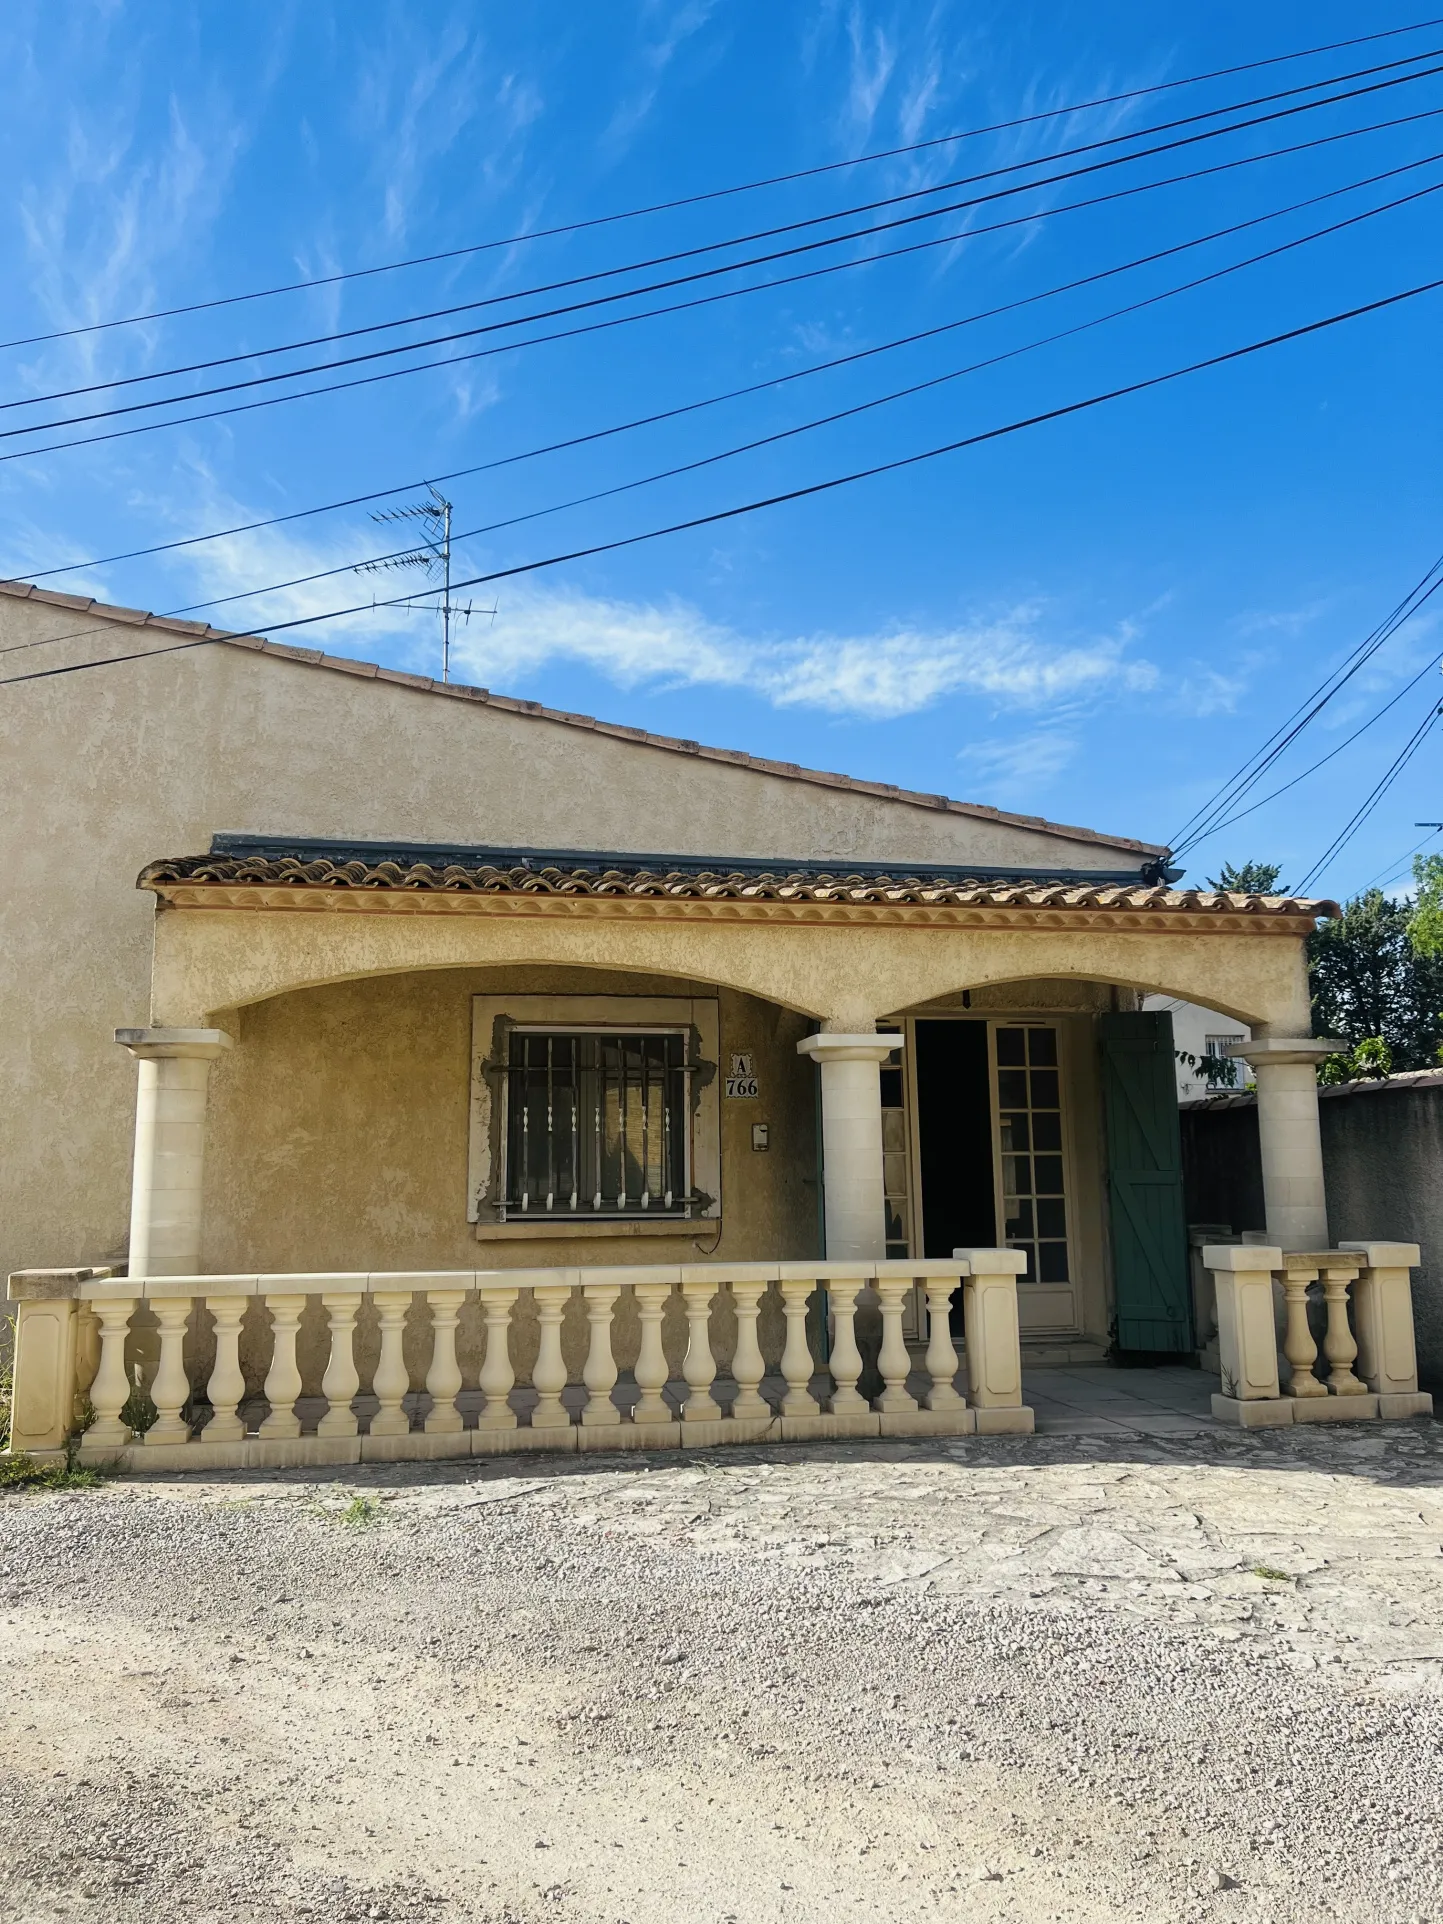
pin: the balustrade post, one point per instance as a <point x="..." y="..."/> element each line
<point x="392" y="1380"/>
<point x="941" y="1358"/>
<point x="171" y="1387"/>
<point x="342" y="1380"/>
<point x="599" y="1375"/>
<point x="797" y="1364"/>
<point x="283" y="1379"/>
<point x="548" y="1375"/>
<point x="1298" y="1345"/>
<point x="497" y="1372"/>
<point x="699" y="1366"/>
<point x="994" y="1343"/>
<point x="893" y="1361"/>
<point x="443" y="1379"/>
<point x="651" y="1370"/>
<point x="1383" y="1314"/>
<point x="748" y="1365"/>
<point x="50" y="1357"/>
<point x="110" y="1391"/>
<point x="227" y="1385"/>
<point x="1339" y="1345"/>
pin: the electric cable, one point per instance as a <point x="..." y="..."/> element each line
<point x="1385" y="782"/>
<point x="1394" y="871"/>
<point x="708" y="401"/>
<point x="721" y="193"/>
<point x="807" y="492"/>
<point x="594" y="327"/>
<point x="761" y="234"/>
<point x="1206" y="820"/>
<point x="827" y="420"/>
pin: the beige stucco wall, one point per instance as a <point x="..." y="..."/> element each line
<point x="107" y="770"/>
<point x="339" y="1127"/>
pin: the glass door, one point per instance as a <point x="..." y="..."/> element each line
<point x="1032" y="1186"/>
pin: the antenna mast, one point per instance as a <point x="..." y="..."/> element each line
<point x="433" y="557"/>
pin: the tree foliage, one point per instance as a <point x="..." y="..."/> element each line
<point x="1249" y="878"/>
<point x="1425" y="926"/>
<point x="1370" y="983"/>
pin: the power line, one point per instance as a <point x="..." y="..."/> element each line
<point x="1207" y="820"/>
<point x="1385" y="782"/>
<point x="842" y="414"/>
<point x="614" y="321"/>
<point x="721" y="193"/>
<point x="713" y="400"/>
<point x="743" y="240"/>
<point x="1393" y="871"/>
<point x="813" y="489"/>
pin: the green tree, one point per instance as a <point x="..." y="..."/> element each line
<point x="1370" y="984"/>
<point x="1425" y="925"/>
<point x="1248" y="878"/>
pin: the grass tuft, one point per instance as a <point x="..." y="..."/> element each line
<point x="1270" y="1575"/>
<point x="21" y="1472"/>
<point x="360" y="1513"/>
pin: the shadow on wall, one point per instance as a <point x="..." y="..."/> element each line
<point x="1382" y="1163"/>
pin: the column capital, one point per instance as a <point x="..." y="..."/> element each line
<point x="831" y="1047"/>
<point x="192" y="1045"/>
<point x="1276" y="1048"/>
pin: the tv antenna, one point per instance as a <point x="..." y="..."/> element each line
<point x="432" y="557"/>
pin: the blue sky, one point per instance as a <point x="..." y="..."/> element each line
<point x="1095" y="620"/>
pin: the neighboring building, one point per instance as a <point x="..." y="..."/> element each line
<point x="475" y="984"/>
<point x="1197" y="1033"/>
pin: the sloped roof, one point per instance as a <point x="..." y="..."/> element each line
<point x="815" y="884"/>
<point x="200" y="632"/>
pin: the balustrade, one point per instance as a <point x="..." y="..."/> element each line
<point x="1368" y="1309"/>
<point x="745" y="1371"/>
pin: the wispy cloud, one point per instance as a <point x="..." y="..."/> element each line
<point x="1021" y="763"/>
<point x="671" y="24"/>
<point x="1009" y="661"/>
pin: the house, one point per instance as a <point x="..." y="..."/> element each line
<point x="368" y="1031"/>
<point x="1198" y="1034"/>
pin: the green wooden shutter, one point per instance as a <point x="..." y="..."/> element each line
<point x="1144" y="1159"/>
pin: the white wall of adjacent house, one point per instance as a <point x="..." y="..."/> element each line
<point x="1198" y="1032"/>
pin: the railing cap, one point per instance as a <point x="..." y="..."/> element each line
<point x="50" y="1285"/>
<point x="1242" y="1256"/>
<point x="992" y="1262"/>
<point x="1386" y="1255"/>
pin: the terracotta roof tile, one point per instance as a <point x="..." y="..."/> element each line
<point x="799" y="884"/>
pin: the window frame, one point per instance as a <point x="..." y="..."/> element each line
<point x="495" y="1018"/>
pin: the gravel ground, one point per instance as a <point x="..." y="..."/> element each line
<point x="1045" y="1678"/>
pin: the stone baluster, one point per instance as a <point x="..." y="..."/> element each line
<point x="283" y="1379"/>
<point x="227" y="1385"/>
<point x="748" y="1366"/>
<point x="1298" y="1345"/>
<point x="651" y="1371"/>
<point x="599" y="1375"/>
<point x="392" y="1379"/>
<point x="171" y="1387"/>
<point x="894" y="1362"/>
<point x="548" y="1375"/>
<point x="110" y="1391"/>
<point x="497" y="1372"/>
<point x="1339" y="1345"/>
<point x="443" y="1379"/>
<point x="342" y="1380"/>
<point x="1383" y="1314"/>
<point x="699" y="1366"/>
<point x="843" y="1283"/>
<point x="941" y="1356"/>
<point x="797" y="1362"/>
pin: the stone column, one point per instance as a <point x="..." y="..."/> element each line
<point x="850" y="1067"/>
<point x="1285" y="1068"/>
<point x="165" y="1193"/>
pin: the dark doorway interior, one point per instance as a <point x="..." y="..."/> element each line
<point x="954" y="1137"/>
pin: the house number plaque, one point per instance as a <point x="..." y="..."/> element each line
<point x="742" y="1081"/>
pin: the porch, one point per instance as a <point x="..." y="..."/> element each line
<point x="877" y="1139"/>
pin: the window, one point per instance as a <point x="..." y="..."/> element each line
<point x="1029" y="1113"/>
<point x="596" y="1124"/>
<point x="895" y="1186"/>
<point x="1218" y="1045"/>
<point x="591" y="1113"/>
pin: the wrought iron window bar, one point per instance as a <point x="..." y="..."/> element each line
<point x="596" y="1124"/>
